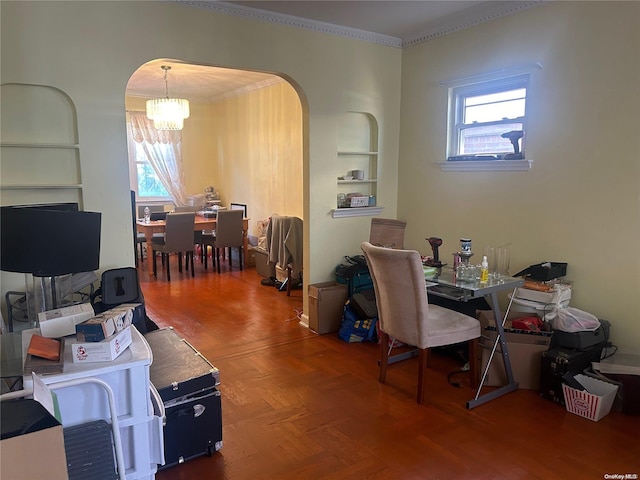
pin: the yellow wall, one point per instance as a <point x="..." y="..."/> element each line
<point x="257" y="151"/>
<point x="249" y="148"/>
<point x="580" y="203"/>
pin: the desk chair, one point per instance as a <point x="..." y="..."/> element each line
<point x="228" y="234"/>
<point x="386" y="232"/>
<point x="178" y="238"/>
<point x="404" y="312"/>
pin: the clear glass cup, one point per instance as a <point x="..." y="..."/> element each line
<point x="490" y="253"/>
<point x="503" y="257"/>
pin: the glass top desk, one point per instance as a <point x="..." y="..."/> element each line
<point x="445" y="284"/>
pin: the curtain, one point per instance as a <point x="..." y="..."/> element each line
<point x="167" y="162"/>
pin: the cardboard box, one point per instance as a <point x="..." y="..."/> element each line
<point x="525" y="351"/>
<point x="594" y="402"/>
<point x="96" y="329"/>
<point x="105" y="351"/>
<point x="42" y="439"/>
<point x="62" y="321"/>
<point x="124" y="315"/>
<point x="326" y="304"/>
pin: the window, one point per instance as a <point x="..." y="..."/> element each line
<point x="147" y="185"/>
<point x="487" y="119"/>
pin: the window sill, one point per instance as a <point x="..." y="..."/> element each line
<point x="486" y="166"/>
<point x="356" y="212"/>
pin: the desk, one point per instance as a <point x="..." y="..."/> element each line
<point x="201" y="223"/>
<point x="445" y="284"/>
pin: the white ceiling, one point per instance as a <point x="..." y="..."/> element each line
<point x="394" y="23"/>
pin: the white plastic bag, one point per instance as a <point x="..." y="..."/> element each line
<point x="570" y="319"/>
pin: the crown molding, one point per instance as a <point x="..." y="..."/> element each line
<point x="291" y="21"/>
<point x="453" y="23"/>
<point x="470" y="18"/>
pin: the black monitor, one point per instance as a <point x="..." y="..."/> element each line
<point x="49" y="240"/>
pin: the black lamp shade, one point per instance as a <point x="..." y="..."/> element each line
<point x="48" y="242"/>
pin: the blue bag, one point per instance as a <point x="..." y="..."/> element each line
<point x="354" y="329"/>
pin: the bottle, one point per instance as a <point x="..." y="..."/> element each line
<point x="484" y="270"/>
<point x="147" y="215"/>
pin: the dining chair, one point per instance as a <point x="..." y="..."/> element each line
<point x="228" y="234"/>
<point x="386" y="232"/>
<point x="404" y="312"/>
<point x="197" y="234"/>
<point x="178" y="238"/>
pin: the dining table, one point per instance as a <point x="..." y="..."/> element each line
<point x="201" y="223"/>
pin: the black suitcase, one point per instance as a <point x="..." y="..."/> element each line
<point x="187" y="384"/>
<point x="558" y="361"/>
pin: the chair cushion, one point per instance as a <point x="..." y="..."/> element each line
<point x="447" y="327"/>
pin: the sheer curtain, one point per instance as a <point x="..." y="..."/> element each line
<point x="167" y="162"/>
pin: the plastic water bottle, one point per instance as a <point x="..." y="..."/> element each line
<point x="147" y="215"/>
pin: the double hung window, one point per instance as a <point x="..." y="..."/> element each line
<point x="487" y="119"/>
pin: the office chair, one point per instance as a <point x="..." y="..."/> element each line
<point x="404" y="312"/>
<point x="386" y="232"/>
<point x="228" y="234"/>
<point x="178" y="238"/>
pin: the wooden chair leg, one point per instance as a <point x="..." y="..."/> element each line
<point x="180" y="262"/>
<point x="240" y="255"/>
<point x="217" y="258"/>
<point x="384" y="356"/>
<point x="168" y="269"/>
<point x="422" y="373"/>
<point x="155" y="270"/>
<point x="474" y="347"/>
<point x="193" y="270"/>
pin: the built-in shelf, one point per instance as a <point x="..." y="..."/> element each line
<point x="41" y="186"/>
<point x="40" y="145"/>
<point x="356" y="212"/>
<point x="353" y="152"/>
<point x="486" y="166"/>
<point x="369" y="180"/>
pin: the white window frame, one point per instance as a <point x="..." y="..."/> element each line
<point x="459" y="89"/>
<point x="133" y="174"/>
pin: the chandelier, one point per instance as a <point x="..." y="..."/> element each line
<point x="167" y="113"/>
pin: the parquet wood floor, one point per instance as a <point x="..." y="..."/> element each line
<point x="296" y="405"/>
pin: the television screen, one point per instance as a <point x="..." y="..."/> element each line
<point x="46" y="241"/>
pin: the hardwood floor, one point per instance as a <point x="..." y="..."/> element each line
<point x="296" y="405"/>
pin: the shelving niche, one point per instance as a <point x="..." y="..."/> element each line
<point x="39" y="146"/>
<point x="357" y="150"/>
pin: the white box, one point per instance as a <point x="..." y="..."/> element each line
<point x="593" y="403"/>
<point x="559" y="294"/>
<point x="62" y="321"/>
<point x="105" y="351"/>
<point x="122" y="316"/>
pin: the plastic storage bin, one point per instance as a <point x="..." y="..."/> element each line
<point x="593" y="403"/>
